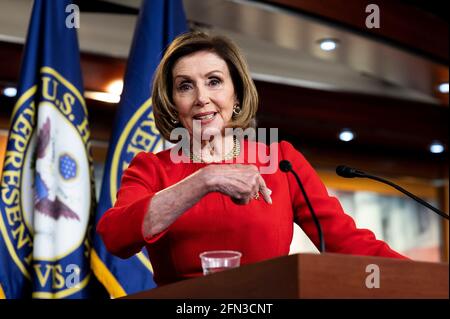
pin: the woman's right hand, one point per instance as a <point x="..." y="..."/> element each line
<point x="241" y="182"/>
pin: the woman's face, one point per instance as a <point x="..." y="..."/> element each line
<point x="203" y="90"/>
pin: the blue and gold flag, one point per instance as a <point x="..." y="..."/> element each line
<point x="47" y="195"/>
<point x="159" y="22"/>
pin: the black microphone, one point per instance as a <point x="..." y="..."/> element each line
<point x="349" y="172"/>
<point x="286" y="166"/>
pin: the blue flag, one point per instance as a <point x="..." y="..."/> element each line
<point x="47" y="196"/>
<point x="159" y="22"/>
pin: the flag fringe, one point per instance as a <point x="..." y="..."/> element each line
<point x="106" y="278"/>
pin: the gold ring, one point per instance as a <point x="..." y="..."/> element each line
<point x="256" y="196"/>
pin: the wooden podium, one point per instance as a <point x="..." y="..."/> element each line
<point x="314" y="276"/>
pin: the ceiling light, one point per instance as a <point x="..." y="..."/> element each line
<point x="115" y="87"/>
<point x="443" y="87"/>
<point x="328" y="44"/>
<point x="112" y="94"/>
<point x="346" y="135"/>
<point x="10" y="91"/>
<point x="437" y="147"/>
<point x="102" y="96"/>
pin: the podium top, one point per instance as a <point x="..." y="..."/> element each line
<point x="315" y="276"/>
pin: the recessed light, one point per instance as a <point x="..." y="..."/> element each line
<point x="115" y="87"/>
<point x="443" y="87"/>
<point x="436" y="147"/>
<point x="328" y="44"/>
<point x="10" y="91"/>
<point x="346" y="135"/>
<point x="102" y="96"/>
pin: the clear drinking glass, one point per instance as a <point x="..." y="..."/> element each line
<point x="219" y="260"/>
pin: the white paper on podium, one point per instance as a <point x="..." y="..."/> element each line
<point x="301" y="242"/>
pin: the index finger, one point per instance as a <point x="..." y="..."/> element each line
<point x="264" y="190"/>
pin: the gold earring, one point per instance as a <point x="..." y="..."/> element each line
<point x="174" y="121"/>
<point x="236" y="110"/>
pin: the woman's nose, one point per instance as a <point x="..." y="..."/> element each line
<point x="202" y="97"/>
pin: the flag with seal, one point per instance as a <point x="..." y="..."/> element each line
<point x="159" y="22"/>
<point x="47" y="187"/>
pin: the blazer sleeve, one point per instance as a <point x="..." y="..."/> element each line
<point x="339" y="230"/>
<point x="121" y="226"/>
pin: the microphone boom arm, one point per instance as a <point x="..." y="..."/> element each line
<point x="313" y="214"/>
<point x="404" y="191"/>
<point x="349" y="172"/>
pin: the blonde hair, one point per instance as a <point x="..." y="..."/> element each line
<point x="165" y="111"/>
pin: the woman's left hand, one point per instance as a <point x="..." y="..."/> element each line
<point x="242" y="183"/>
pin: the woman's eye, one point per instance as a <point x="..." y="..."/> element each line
<point x="184" y="87"/>
<point x="214" y="82"/>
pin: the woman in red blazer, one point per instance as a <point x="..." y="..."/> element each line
<point x="215" y="190"/>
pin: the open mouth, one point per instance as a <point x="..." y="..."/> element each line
<point x="205" y="116"/>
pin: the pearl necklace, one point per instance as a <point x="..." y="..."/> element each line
<point x="230" y="155"/>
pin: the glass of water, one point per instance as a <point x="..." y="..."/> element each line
<point x="218" y="260"/>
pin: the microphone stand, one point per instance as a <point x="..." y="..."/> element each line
<point x="404" y="191"/>
<point x="349" y="172"/>
<point x="286" y="166"/>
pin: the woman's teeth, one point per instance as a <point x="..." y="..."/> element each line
<point x="205" y="117"/>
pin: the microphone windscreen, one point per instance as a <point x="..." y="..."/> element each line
<point x="344" y="171"/>
<point x="285" y="166"/>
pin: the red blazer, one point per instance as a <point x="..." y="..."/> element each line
<point x="259" y="230"/>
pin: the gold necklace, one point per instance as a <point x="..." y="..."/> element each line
<point x="230" y="155"/>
